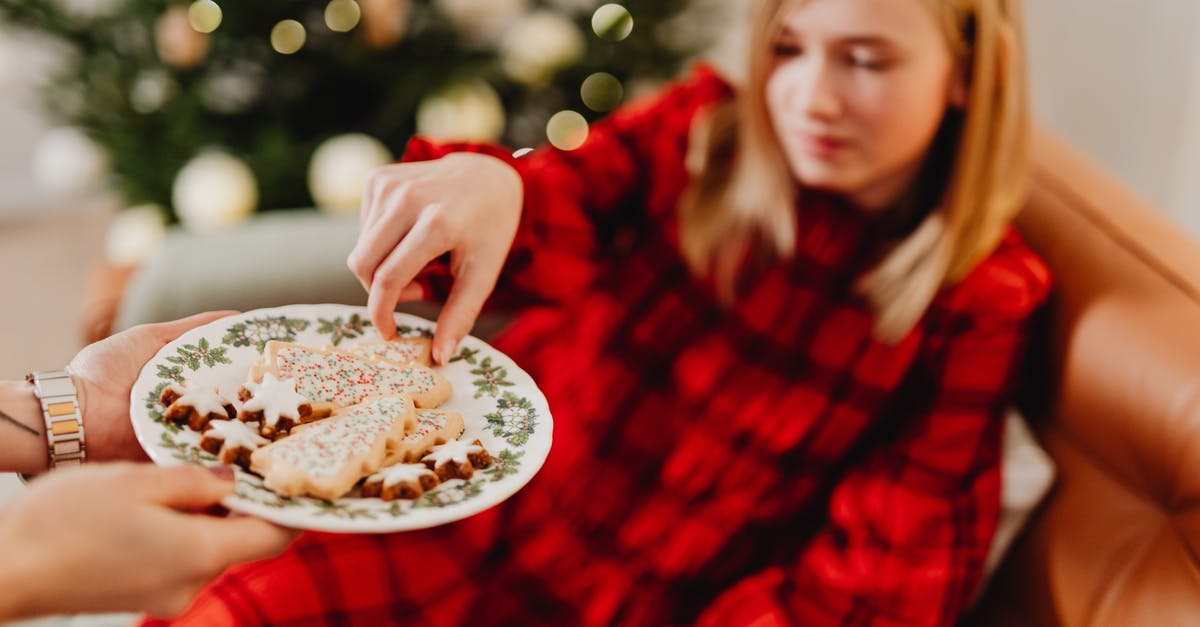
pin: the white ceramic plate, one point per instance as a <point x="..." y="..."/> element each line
<point x="499" y="403"/>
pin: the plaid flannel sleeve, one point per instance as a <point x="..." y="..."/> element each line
<point x="575" y="199"/>
<point x="909" y="529"/>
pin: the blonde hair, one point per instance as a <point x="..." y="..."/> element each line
<point x="743" y="194"/>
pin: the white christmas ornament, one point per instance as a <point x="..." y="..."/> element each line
<point x="539" y="45"/>
<point x="339" y="169"/>
<point x="134" y="234"/>
<point x="213" y="191"/>
<point x="482" y="22"/>
<point x="464" y="112"/>
<point x="68" y="162"/>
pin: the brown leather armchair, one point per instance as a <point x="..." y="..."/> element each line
<point x="1113" y="393"/>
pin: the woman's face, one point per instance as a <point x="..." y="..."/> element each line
<point x="856" y="92"/>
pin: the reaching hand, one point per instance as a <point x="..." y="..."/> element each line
<point x="466" y="204"/>
<point x="123" y="537"/>
<point x="104" y="374"/>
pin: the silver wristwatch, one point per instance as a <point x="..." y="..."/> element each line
<point x="64" y="423"/>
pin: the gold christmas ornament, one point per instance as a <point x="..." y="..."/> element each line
<point x="214" y="191"/>
<point x="342" y="15"/>
<point x="288" y="37"/>
<point x="384" y="22"/>
<point x="178" y="44"/>
<point x="135" y="234"/>
<point x="204" y="15"/>
<point x="339" y="169"/>
<point x="567" y="130"/>
<point x="470" y="111"/>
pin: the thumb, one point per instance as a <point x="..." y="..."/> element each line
<point x="243" y="539"/>
<point x="168" y="331"/>
<point x="183" y="487"/>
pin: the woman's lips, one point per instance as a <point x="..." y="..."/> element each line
<point x="820" y="145"/>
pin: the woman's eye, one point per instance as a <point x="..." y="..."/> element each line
<point x="787" y="49"/>
<point x="868" y="61"/>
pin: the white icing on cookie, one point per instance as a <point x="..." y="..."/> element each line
<point x="275" y="398"/>
<point x="454" y="450"/>
<point x="347" y="379"/>
<point x="403" y="351"/>
<point x="323" y="449"/>
<point x="428" y="421"/>
<point x="400" y="473"/>
<point x="235" y="433"/>
<point x="204" y="401"/>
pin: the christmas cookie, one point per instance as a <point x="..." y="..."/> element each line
<point x="337" y="378"/>
<point x="401" y="351"/>
<point x="434" y="426"/>
<point x="456" y="459"/>
<point x="274" y="404"/>
<point x="195" y="407"/>
<point x="232" y="441"/>
<point x="328" y="457"/>
<point x="403" y="481"/>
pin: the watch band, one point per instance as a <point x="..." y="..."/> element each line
<point x="64" y="424"/>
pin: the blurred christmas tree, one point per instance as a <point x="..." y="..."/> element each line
<point x="159" y="85"/>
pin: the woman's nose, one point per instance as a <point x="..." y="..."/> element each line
<point x="820" y="97"/>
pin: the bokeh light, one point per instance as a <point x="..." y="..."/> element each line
<point x="601" y="92"/>
<point x="204" y="16"/>
<point x="612" y="22"/>
<point x="567" y="130"/>
<point x="342" y="15"/>
<point x="288" y="37"/>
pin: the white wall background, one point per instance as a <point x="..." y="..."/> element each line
<point x="1121" y="80"/>
<point x="1118" y="78"/>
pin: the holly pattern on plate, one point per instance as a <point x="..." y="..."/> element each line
<point x="491" y="378"/>
<point x="192" y="355"/>
<point x="257" y="332"/>
<point x="337" y="330"/>
<point x="514" y="419"/>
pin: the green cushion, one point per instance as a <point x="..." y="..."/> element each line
<point x="275" y="258"/>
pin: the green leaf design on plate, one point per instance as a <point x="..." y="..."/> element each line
<point x="174" y="373"/>
<point x="450" y="493"/>
<point x="399" y="508"/>
<point x="491" y="378"/>
<point x="505" y="464"/>
<point x="251" y="488"/>
<point x="466" y="354"/>
<point x="186" y="452"/>
<point x="514" y="419"/>
<point x="192" y="355"/>
<point x="258" y="331"/>
<point x="405" y="330"/>
<point x="339" y="330"/>
<point x="340" y="509"/>
<point x="154" y="408"/>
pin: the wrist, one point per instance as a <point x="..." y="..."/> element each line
<point x="23" y="445"/>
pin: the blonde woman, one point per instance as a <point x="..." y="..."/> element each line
<point x="777" y="325"/>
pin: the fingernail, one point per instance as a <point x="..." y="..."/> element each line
<point x="223" y="472"/>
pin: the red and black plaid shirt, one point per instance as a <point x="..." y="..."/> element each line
<point x="764" y="464"/>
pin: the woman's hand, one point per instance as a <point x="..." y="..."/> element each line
<point x="466" y="204"/>
<point x="123" y="537"/>
<point x="104" y="374"/>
